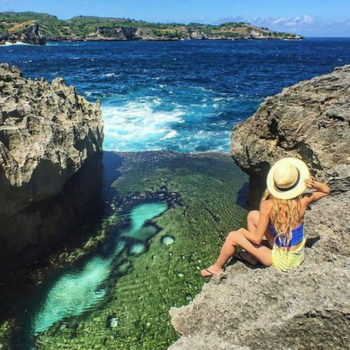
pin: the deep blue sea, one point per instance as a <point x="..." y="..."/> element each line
<point x="183" y="96"/>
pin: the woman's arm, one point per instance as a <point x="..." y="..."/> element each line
<point x="322" y="190"/>
<point x="264" y="218"/>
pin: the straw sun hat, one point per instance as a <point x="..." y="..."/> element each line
<point x="285" y="179"/>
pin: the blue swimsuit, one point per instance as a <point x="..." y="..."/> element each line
<point x="297" y="236"/>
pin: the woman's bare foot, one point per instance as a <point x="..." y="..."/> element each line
<point x="211" y="270"/>
<point x="245" y="256"/>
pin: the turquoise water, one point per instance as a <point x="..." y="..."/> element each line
<point x="77" y="292"/>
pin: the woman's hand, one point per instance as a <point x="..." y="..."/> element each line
<point x="318" y="186"/>
<point x="310" y="182"/>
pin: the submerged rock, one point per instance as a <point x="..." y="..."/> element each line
<point x="137" y="249"/>
<point x="309" y="307"/>
<point x="47" y="133"/>
<point x="168" y="240"/>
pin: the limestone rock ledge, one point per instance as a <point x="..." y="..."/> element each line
<point x="47" y="133"/>
<point x="309" y="307"/>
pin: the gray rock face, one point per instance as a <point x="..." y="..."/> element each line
<point x="47" y="133"/>
<point x="122" y="34"/>
<point x="119" y="34"/>
<point x="309" y="307"/>
<point x="309" y="120"/>
<point x="197" y="35"/>
<point x="30" y="36"/>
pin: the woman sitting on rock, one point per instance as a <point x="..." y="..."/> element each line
<point x="280" y="220"/>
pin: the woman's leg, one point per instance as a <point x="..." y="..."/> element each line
<point x="253" y="220"/>
<point x="252" y="223"/>
<point x="259" y="251"/>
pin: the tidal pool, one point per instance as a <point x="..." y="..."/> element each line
<point x="77" y="292"/>
<point x="166" y="216"/>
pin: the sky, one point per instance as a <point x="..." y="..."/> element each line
<point x="311" y="18"/>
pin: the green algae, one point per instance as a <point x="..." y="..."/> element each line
<point x="7" y="329"/>
<point x="78" y="291"/>
<point x="201" y="191"/>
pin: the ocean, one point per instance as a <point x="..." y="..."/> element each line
<point x="181" y="96"/>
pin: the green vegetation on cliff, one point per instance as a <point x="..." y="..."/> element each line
<point x="98" y="28"/>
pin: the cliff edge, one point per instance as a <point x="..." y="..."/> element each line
<point x="47" y="133"/>
<point x="28" y="35"/>
<point x="309" y="307"/>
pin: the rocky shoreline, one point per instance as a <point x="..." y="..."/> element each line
<point x="135" y="34"/>
<point x="309" y="307"/>
<point x="30" y="36"/>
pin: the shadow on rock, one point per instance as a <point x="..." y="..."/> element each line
<point x="45" y="226"/>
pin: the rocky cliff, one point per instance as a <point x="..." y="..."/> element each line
<point x="309" y="307"/>
<point x="309" y="120"/>
<point x="90" y="28"/>
<point x="177" y="32"/>
<point x="47" y="133"/>
<point x="29" y="35"/>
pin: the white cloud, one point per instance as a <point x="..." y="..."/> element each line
<point x="304" y="20"/>
<point x="229" y="19"/>
<point x="305" y="25"/>
<point x="294" y="22"/>
<point x="299" y="20"/>
<point x="279" y="23"/>
<point x="308" y="19"/>
<point x="280" y="20"/>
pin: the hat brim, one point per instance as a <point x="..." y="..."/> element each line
<point x="298" y="189"/>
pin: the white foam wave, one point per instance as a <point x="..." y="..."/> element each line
<point x="185" y="122"/>
<point x="170" y="135"/>
<point x="7" y="43"/>
<point x="111" y="75"/>
<point x="139" y="125"/>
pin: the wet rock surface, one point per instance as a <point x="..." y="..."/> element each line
<point x="309" y="307"/>
<point x="47" y="133"/>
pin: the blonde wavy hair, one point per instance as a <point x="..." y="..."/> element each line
<point x="285" y="215"/>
